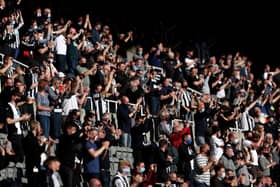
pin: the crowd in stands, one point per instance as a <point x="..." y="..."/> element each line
<point x="71" y="90"/>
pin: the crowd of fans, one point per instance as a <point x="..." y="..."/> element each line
<point x="72" y="89"/>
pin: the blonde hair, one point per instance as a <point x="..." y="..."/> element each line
<point x="34" y="124"/>
<point x="123" y="163"/>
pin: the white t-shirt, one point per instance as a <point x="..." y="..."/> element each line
<point x="70" y="104"/>
<point x="60" y="45"/>
<point x="216" y="145"/>
<point x="16" y="116"/>
<point x="56" y="180"/>
<point x="190" y="63"/>
<point x="255" y="159"/>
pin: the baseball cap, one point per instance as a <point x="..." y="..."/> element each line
<point x="61" y="75"/>
<point x="228" y="145"/>
<point x="247" y="143"/>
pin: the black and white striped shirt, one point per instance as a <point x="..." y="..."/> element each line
<point x="200" y="176"/>
<point x="186" y="99"/>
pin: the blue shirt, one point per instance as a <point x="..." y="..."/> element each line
<point x="44" y="101"/>
<point x="92" y="164"/>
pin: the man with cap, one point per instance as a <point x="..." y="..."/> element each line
<point x="228" y="158"/>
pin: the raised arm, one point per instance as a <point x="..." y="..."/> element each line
<point x="20" y="20"/>
<point x="64" y="29"/>
<point x="6" y="67"/>
<point x="87" y="24"/>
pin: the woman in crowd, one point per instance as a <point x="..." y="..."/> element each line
<point x="43" y="107"/>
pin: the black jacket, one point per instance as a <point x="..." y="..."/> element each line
<point x="32" y="150"/>
<point x="186" y="154"/>
<point x="68" y="148"/>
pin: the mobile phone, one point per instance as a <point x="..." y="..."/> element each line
<point x="61" y="88"/>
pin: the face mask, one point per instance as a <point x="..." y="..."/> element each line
<point x="126" y="171"/>
<point x="51" y="60"/>
<point x="223" y="175"/>
<point x="142" y="170"/>
<point x="35" y="27"/>
<point x="202" y="110"/>
<point x="189" y="141"/>
<point x="235" y="141"/>
<point x="39" y="14"/>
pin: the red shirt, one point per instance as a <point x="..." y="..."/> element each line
<point x="176" y="137"/>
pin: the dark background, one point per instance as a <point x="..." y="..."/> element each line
<point x="228" y="27"/>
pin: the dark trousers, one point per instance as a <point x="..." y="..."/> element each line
<point x="198" y="184"/>
<point x="33" y="179"/>
<point x="105" y="177"/>
<point x="138" y="155"/>
<point x="155" y="105"/>
<point x="56" y="121"/>
<point x="61" y="61"/>
<point x="16" y="141"/>
<point x="69" y="176"/>
<point x="72" y="63"/>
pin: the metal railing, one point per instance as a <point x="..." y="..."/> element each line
<point x="192" y="127"/>
<point x="238" y="126"/>
<point x="114" y="103"/>
<point x="194" y="91"/>
<point x="161" y="70"/>
<point x="14" y="60"/>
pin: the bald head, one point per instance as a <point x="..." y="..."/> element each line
<point x="125" y="99"/>
<point x="95" y="183"/>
